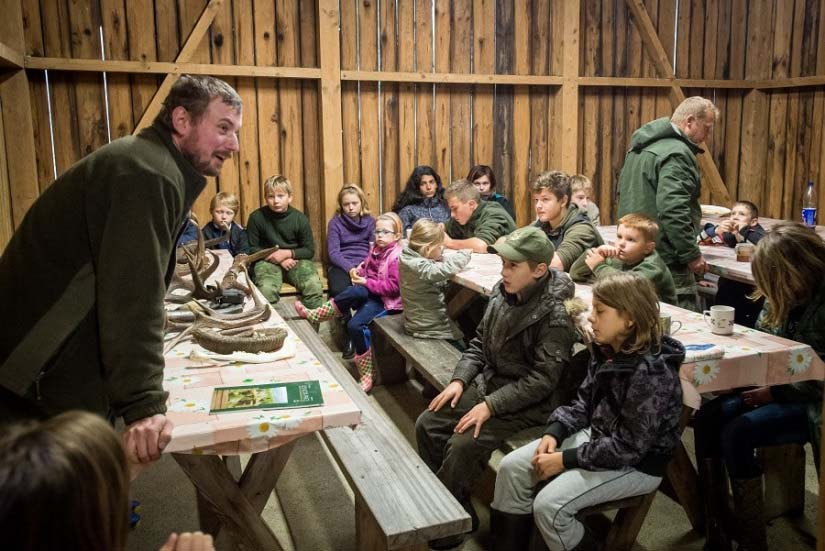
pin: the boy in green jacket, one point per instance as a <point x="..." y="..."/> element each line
<point x="513" y="374"/>
<point x="634" y="251"/>
<point x="277" y="223"/>
<point x="474" y="224"/>
<point x="567" y="227"/>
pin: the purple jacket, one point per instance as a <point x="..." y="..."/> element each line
<point x="348" y="240"/>
<point x="381" y="271"/>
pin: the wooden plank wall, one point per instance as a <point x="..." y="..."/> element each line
<point x="767" y="145"/>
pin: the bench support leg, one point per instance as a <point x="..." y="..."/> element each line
<point x="390" y="365"/>
<point x="368" y="535"/>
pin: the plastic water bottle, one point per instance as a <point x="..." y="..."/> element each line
<point x="809" y="206"/>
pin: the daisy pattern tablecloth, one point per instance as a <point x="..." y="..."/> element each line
<point x="752" y="358"/>
<point x="190" y="384"/>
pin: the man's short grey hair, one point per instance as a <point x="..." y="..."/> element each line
<point x="695" y="106"/>
<point x="194" y="93"/>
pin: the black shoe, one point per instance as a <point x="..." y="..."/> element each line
<point x="448" y="542"/>
<point x="510" y="531"/>
<point x="349" y="351"/>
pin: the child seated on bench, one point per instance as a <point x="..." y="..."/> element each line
<point x="474" y="224"/>
<point x="425" y="273"/>
<point x="582" y="195"/>
<point x="614" y="441"/>
<point x="742" y="227"/>
<point x="634" y="251"/>
<point x="375" y="292"/>
<point x="277" y="223"/>
<point x="567" y="227"/>
<point x="224" y="207"/>
<point x="511" y="377"/>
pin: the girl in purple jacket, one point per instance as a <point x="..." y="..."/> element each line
<point x="375" y="292"/>
<point x="348" y="242"/>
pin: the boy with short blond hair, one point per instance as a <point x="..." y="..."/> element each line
<point x="474" y="224"/>
<point x="742" y="226"/>
<point x="277" y="223"/>
<point x="567" y="227"/>
<point x="223" y="207"/>
<point x="634" y="251"/>
<point x="582" y="194"/>
<point x="514" y="373"/>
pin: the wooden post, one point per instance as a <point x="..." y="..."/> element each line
<point x="570" y="88"/>
<point x="21" y="184"/>
<point x="331" y="133"/>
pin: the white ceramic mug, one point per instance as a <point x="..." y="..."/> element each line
<point x="666" y="325"/>
<point x="721" y="319"/>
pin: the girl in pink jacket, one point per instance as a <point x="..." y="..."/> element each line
<point x="375" y="292"/>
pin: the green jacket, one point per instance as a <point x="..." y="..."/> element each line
<point x="660" y="178"/>
<point x="808" y="330"/>
<point x="85" y="275"/>
<point x="520" y="355"/>
<point x="651" y="267"/>
<point x="488" y="222"/>
<point x="288" y="230"/>
<point x="423" y="282"/>
<point x="573" y="236"/>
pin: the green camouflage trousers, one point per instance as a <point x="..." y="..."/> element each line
<point x="270" y="277"/>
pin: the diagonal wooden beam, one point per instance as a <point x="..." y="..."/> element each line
<point x="185" y="54"/>
<point x="657" y="53"/>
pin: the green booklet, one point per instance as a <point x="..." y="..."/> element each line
<point x="298" y="394"/>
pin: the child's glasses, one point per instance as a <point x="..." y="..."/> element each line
<point x="384" y="232"/>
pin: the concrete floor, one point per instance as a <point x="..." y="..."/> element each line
<point x="316" y="504"/>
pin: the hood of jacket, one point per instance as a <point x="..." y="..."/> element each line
<point x="671" y="357"/>
<point x="660" y="129"/>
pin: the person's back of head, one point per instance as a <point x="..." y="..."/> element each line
<point x="426" y="236"/>
<point x="787" y="266"/>
<point x="63" y="485"/>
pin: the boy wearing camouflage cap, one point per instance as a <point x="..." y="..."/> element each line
<point x="512" y="376"/>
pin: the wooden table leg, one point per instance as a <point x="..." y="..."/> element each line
<point x="460" y="301"/>
<point x="238" y="505"/>
<point x="681" y="483"/>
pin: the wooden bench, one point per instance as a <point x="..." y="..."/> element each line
<point x="399" y="502"/>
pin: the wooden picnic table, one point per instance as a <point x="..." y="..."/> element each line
<point x="751" y="358"/>
<point x="200" y="438"/>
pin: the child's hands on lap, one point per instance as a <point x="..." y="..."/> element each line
<point x="758" y="396"/>
<point x="288" y="263"/>
<point x="279" y="256"/>
<point x="475" y="417"/>
<point x="547" y="464"/>
<point x="547" y="444"/>
<point x="451" y="393"/>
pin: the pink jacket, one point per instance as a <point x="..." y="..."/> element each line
<point x="381" y="271"/>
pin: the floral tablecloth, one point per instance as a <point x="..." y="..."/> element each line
<point x="190" y="384"/>
<point x="752" y="358"/>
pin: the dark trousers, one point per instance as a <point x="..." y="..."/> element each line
<point x="459" y="460"/>
<point x="726" y="427"/>
<point x="367" y="307"/>
<point x="337" y="281"/>
<point x="735" y="293"/>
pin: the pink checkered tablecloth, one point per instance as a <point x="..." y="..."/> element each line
<point x="190" y="383"/>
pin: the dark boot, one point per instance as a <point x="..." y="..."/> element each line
<point x="714" y="486"/>
<point x="349" y="351"/>
<point x="749" y="513"/>
<point x="510" y="531"/>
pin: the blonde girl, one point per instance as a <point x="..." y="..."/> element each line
<point x="375" y="292"/>
<point x="613" y="441"/>
<point x="425" y="273"/>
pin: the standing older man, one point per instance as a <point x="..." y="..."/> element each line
<point x="660" y="178"/>
<point x="85" y="274"/>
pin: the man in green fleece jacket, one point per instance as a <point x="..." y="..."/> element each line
<point x="660" y="178"/>
<point x="474" y="224"/>
<point x="86" y="272"/>
<point x="569" y="229"/>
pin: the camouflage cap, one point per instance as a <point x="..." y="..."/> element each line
<point x="528" y="243"/>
